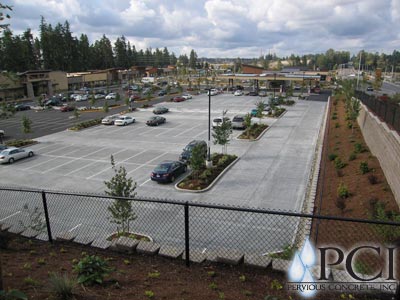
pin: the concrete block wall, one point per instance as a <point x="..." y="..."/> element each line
<point x="384" y="143"/>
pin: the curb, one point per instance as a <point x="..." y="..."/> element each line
<point x="211" y="184"/>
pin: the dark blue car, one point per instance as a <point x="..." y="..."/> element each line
<point x="168" y="171"/>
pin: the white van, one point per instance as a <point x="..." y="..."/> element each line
<point x="212" y="92"/>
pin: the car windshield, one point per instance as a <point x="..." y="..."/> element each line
<point x="238" y="119"/>
<point x="162" y="167"/>
<point x="4" y="152"/>
<point x="217" y="120"/>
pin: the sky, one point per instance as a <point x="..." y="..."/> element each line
<point x="224" y="28"/>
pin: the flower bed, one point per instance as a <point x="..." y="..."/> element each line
<point x="200" y="180"/>
<point x="253" y="132"/>
<point x="85" y="124"/>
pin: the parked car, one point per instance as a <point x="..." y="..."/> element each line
<point x="253" y="93"/>
<point x="167" y="171"/>
<point x="109" y="120"/>
<point x="132" y="98"/>
<point x="12" y="154"/>
<point x="160" y="110"/>
<point x="3" y="147"/>
<point x="370" y="89"/>
<point x="81" y="97"/>
<point x="99" y="96"/>
<point x="238" y="122"/>
<point x="238" y="93"/>
<point x="124" y="120"/>
<point x="162" y="93"/>
<point x="111" y="96"/>
<point x="155" y="121"/>
<point x="253" y="112"/>
<point x="179" y="99"/>
<point x="52" y="102"/>
<point x="66" y="108"/>
<point x="263" y="94"/>
<point x="20" y="107"/>
<point x="187" y="96"/>
<point x="218" y="121"/>
<point x="187" y="151"/>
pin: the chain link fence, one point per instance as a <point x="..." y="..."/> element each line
<point x="198" y="232"/>
<point x="386" y="111"/>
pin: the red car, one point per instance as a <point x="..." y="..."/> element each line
<point x="178" y="99"/>
<point x="67" y="108"/>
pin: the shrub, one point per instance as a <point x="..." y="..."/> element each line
<point x="364" y="167"/>
<point x="349" y="125"/>
<point x="62" y="286"/>
<point x="206" y="174"/>
<point x="86" y="124"/>
<point x="343" y="191"/>
<point x="91" y="269"/>
<point x="338" y="163"/>
<point x="332" y="156"/>
<point x="13" y="295"/>
<point x="334" y="117"/>
<point x="341" y="203"/>
<point x="337" y="125"/>
<point x="372" y="179"/>
<point x="352" y="156"/>
<point x="20" y="143"/>
<point x="359" y="148"/>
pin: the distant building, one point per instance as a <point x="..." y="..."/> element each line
<point x="249" y="69"/>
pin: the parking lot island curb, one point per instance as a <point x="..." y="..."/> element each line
<point x="230" y="257"/>
<point x="258" y="261"/>
<point x="211" y="184"/>
<point x="148" y="248"/>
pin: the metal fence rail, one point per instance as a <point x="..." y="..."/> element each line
<point x="386" y="111"/>
<point x="199" y="231"/>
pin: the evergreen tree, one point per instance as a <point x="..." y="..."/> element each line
<point x="193" y="59"/>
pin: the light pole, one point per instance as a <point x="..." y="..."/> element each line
<point x="208" y="161"/>
<point x="274" y="84"/>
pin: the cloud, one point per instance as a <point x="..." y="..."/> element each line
<point x="224" y="27"/>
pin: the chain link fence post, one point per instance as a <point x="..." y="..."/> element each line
<point x="187" y="254"/>
<point x="46" y="215"/>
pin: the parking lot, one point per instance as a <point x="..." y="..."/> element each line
<point x="80" y="161"/>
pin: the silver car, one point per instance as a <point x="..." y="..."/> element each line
<point x="10" y="155"/>
<point x="109" y="120"/>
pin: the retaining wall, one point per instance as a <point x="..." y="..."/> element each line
<point x="384" y="143"/>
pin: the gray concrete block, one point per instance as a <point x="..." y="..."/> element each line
<point x="195" y="256"/>
<point x="4" y="226"/>
<point x="231" y="257"/>
<point x="101" y="243"/>
<point x="170" y="251"/>
<point x="146" y="247"/>
<point x="17" y="229"/>
<point x="83" y="239"/>
<point x="211" y="256"/>
<point x="280" y="264"/>
<point x="125" y="244"/>
<point x="65" y="236"/>
<point x="30" y="233"/>
<point x="258" y="261"/>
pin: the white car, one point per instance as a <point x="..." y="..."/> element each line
<point x="12" y="154"/>
<point x="238" y="93"/>
<point x="218" y="121"/>
<point x="81" y="98"/>
<point x="124" y="120"/>
<point x="187" y="96"/>
<point x="98" y="96"/>
<point x="111" y="96"/>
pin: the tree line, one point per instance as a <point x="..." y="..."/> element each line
<point x="57" y="49"/>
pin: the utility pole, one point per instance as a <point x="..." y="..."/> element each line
<point x="359" y="69"/>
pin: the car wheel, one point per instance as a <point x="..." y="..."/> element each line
<point x="172" y="178"/>
<point x="184" y="169"/>
<point x="11" y="160"/>
<point x="124" y="124"/>
<point x="30" y="154"/>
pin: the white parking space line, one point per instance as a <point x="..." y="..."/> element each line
<point x="102" y="149"/>
<point x="147" y="131"/>
<point x="132" y="156"/>
<point x="145" y="182"/>
<point x="63" y="147"/>
<point x="187" y="130"/>
<point x="98" y="173"/>
<point x="141" y="166"/>
<point x="44" y="147"/>
<point x="148" y="162"/>
<point x="68" y="162"/>
<point x="39" y="164"/>
<point x="75" y="227"/>
<point x="201" y="133"/>
<point x="10" y="216"/>
<point x="76" y="170"/>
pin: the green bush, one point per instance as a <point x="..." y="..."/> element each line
<point x="86" y="124"/>
<point x="91" y="270"/>
<point x="352" y="156"/>
<point x="343" y="191"/>
<point x="364" y="167"/>
<point x="337" y="125"/>
<point x="359" y="148"/>
<point x="334" y="117"/>
<point x="349" y="125"/>
<point x="12" y="295"/>
<point x="20" y="143"/>
<point x="338" y="163"/>
<point x="332" y="156"/>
